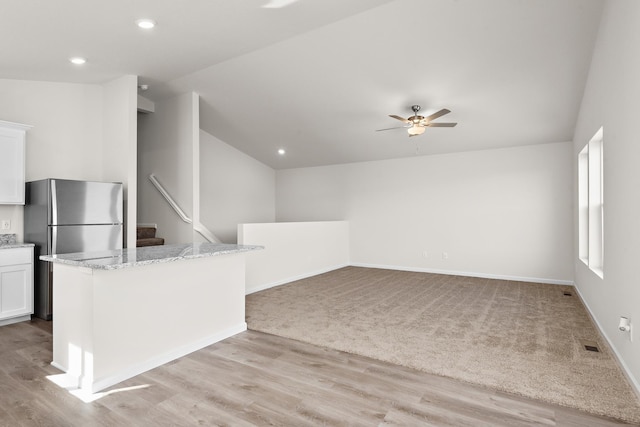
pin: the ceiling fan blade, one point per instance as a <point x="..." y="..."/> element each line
<point x="402" y="119"/>
<point x="437" y="114"/>
<point x="441" y="125"/>
<point x="398" y="127"/>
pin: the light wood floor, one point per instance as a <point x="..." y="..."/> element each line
<point x="258" y="379"/>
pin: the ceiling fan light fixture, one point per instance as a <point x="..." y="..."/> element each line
<point x="416" y="125"/>
<point x="416" y="130"/>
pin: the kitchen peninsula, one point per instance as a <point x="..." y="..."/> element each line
<point x="119" y="313"/>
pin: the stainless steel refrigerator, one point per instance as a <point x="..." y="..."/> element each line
<point x="65" y="216"/>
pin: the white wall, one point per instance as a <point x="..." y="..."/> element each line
<point x="165" y="148"/>
<point x="496" y="213"/>
<point x="67" y="138"/>
<point x="234" y="188"/>
<point x="119" y="151"/>
<point x="293" y="251"/>
<point x="80" y="132"/>
<point x="612" y="100"/>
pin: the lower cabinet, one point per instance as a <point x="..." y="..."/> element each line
<point x="16" y="284"/>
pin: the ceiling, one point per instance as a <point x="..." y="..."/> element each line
<point x="318" y="77"/>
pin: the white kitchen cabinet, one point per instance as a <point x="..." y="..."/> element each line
<point x="16" y="284"/>
<point x="12" y="164"/>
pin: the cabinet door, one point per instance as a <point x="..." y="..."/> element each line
<point x="12" y="140"/>
<point x="16" y="290"/>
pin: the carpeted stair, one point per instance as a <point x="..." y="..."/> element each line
<point x="146" y="236"/>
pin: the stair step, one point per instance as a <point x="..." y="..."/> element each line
<point x="150" y="241"/>
<point x="145" y="232"/>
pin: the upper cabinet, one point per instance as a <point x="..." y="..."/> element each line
<point x="12" y="167"/>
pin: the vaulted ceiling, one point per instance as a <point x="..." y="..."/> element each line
<point x="318" y="77"/>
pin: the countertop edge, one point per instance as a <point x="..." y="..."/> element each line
<point x="16" y="245"/>
<point x="83" y="259"/>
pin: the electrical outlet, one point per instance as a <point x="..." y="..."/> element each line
<point x="6" y="224"/>
<point x="626" y="327"/>
<point x="445" y="255"/>
<point x="425" y="254"/>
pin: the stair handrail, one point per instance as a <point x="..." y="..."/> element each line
<point x="183" y="216"/>
<point x="199" y="228"/>
<point x="206" y="233"/>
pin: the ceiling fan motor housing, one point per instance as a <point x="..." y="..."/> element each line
<point x="416" y="119"/>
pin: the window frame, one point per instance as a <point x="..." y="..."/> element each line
<point x="591" y="204"/>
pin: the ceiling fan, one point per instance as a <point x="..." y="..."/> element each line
<point x="416" y="124"/>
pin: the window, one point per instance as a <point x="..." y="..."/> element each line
<point x="591" y="204"/>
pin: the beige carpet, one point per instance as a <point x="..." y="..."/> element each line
<point x="518" y="337"/>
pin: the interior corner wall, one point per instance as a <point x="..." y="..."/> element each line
<point x="612" y="101"/>
<point x="67" y="135"/>
<point x="165" y="148"/>
<point x="496" y="213"/>
<point x="119" y="152"/>
<point x="234" y="189"/>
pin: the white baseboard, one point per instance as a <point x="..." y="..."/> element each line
<point x="293" y="279"/>
<point x="415" y="269"/>
<point x="58" y="366"/>
<point x="102" y="383"/>
<point x="635" y="385"/>
<point x="467" y="274"/>
<point x="15" y="320"/>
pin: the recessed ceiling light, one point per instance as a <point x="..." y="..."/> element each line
<point x="77" y="60"/>
<point x="146" y="24"/>
<point x="281" y="152"/>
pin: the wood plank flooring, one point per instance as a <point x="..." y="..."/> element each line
<point x="259" y="379"/>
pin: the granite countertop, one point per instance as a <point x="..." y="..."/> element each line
<point x="8" y="241"/>
<point x="133" y="257"/>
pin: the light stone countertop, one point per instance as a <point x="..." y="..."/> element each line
<point x="134" y="257"/>
<point x="8" y="241"/>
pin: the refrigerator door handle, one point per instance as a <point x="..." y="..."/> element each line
<point x="54" y="205"/>
<point x="54" y="240"/>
